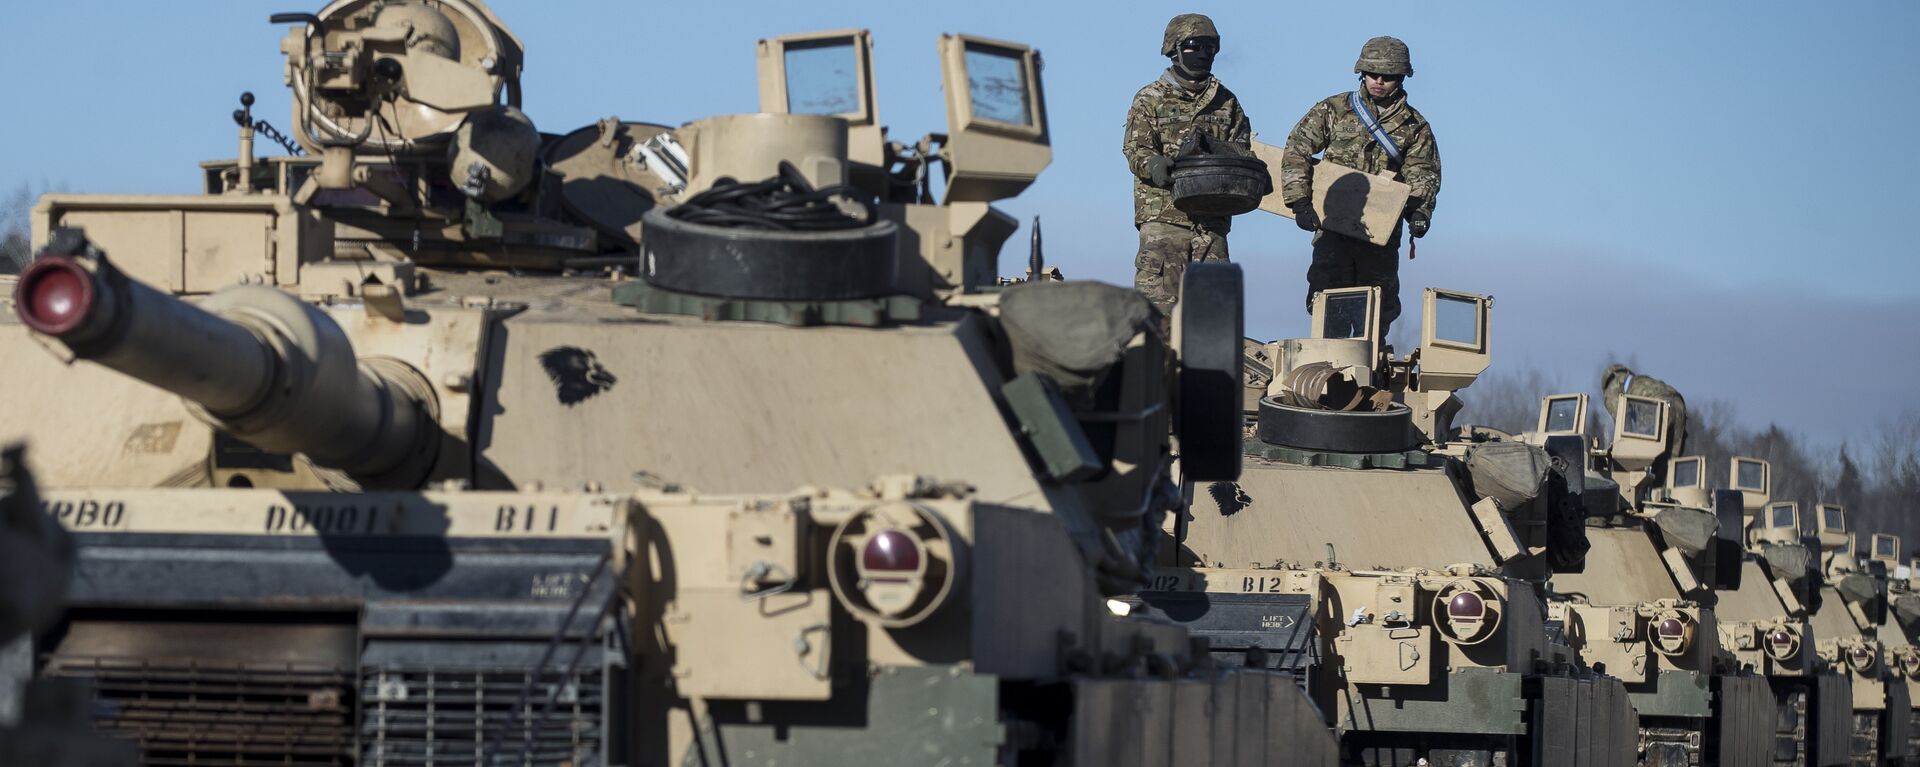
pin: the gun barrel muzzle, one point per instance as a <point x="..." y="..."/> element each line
<point x="251" y="360"/>
<point x="144" y="333"/>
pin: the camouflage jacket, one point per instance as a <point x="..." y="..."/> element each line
<point x="1618" y="380"/>
<point x="1331" y="127"/>
<point x="1163" y="115"/>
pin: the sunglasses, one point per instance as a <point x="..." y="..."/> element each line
<point x="1201" y="43"/>
<point x="1385" y="78"/>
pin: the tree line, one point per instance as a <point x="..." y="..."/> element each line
<point x="1876" y="476"/>
<point x="16" y="209"/>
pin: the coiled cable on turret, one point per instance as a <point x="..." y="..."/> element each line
<point x="786" y="202"/>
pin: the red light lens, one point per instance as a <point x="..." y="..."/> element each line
<point x="1467" y="605"/>
<point x="891" y="551"/>
<point x="1672" y="628"/>
<point x="54" y="295"/>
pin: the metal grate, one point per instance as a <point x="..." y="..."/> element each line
<point x="191" y="712"/>
<point x="448" y="716"/>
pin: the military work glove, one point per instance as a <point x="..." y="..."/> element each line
<point x="1417" y="226"/>
<point x="1304" y="217"/>
<point x="1417" y="221"/>
<point x="1160" y="170"/>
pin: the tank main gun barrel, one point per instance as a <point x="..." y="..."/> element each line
<point x="250" y="360"/>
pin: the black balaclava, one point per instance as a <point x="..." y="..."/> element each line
<point x="1193" y="60"/>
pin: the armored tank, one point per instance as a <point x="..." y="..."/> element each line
<point x="1764" y="620"/>
<point x="403" y="455"/>
<point x="1846" y="617"/>
<point x="1644" y="608"/>
<point x="1900" y="632"/>
<point x="1395" y="563"/>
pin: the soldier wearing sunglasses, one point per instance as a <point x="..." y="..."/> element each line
<point x="1185" y="99"/>
<point x="1373" y="129"/>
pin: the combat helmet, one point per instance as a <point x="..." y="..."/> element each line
<point x="1382" y="55"/>
<point x="1188" y="25"/>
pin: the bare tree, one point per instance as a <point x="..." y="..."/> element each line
<point x="1506" y="401"/>
<point x="1891" y="494"/>
<point x="1878" y="483"/>
<point x="15" y="208"/>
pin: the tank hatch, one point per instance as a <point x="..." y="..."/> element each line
<point x="778" y="250"/>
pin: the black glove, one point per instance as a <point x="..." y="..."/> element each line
<point x="1160" y="170"/>
<point x="1304" y="217"/>
<point x="1417" y="221"/>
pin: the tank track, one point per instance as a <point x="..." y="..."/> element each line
<point x="1670" y="746"/>
<point x="1866" y="739"/>
<point x="1913" y="737"/>
<point x="1790" y="728"/>
<point x="1430" y="750"/>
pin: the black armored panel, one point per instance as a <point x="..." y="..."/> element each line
<point x="1269" y="630"/>
<point x="328" y="642"/>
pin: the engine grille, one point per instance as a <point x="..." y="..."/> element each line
<point x="413" y="715"/>
<point x="190" y="712"/>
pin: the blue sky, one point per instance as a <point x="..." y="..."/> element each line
<point x="1721" y="191"/>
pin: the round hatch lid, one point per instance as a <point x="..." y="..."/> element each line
<point x="604" y="182"/>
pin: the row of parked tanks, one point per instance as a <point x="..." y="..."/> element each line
<point x="442" y="440"/>
<point x="1461" y="595"/>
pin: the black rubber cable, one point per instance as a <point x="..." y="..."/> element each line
<point x="785" y="202"/>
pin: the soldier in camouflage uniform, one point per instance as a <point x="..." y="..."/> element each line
<point x="1332" y="130"/>
<point x="1620" y="380"/>
<point x="1186" y="99"/>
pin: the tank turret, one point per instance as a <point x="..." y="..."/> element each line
<point x="251" y="360"/>
<point x="1394" y="561"/>
<point x="717" y="444"/>
<point x="1666" y="555"/>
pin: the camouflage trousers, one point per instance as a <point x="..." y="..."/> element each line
<point x="1340" y="261"/>
<point x="1165" y="251"/>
